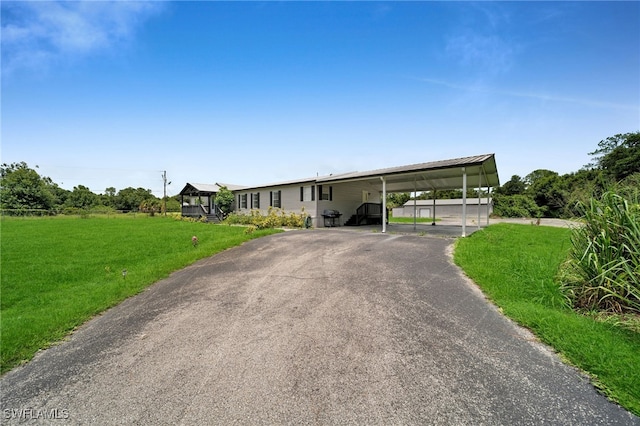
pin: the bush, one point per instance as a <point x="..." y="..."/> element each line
<point x="602" y="271"/>
<point x="515" y="206"/>
<point x="275" y="218"/>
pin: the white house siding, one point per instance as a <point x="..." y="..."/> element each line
<point x="289" y="200"/>
<point x="347" y="197"/>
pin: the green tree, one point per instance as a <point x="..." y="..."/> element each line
<point x="130" y="199"/>
<point x="619" y="155"/>
<point x="582" y="186"/>
<point x="109" y="197"/>
<point x="82" y="198"/>
<point x="22" y="188"/>
<point x="514" y="186"/>
<point x="151" y="206"/>
<point x="546" y="188"/>
<point x="60" y="195"/>
<point x="397" y="199"/>
<point x="173" y="204"/>
<point x="517" y="205"/>
<point x="224" y="200"/>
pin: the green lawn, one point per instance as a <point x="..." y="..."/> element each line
<point x="515" y="266"/>
<point x="58" y="272"/>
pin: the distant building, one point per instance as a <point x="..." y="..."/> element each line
<point x="445" y="208"/>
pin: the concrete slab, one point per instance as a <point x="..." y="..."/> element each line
<point x="452" y="228"/>
<point x="446" y="230"/>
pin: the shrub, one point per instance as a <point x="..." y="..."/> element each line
<point x="275" y="218"/>
<point x="515" y="206"/>
<point x="602" y="271"/>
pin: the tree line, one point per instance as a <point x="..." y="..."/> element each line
<point x="24" y="191"/>
<point x="545" y="193"/>
<point x="541" y="193"/>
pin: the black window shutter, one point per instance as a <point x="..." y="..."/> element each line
<point x="251" y="195"/>
<point x="313" y="192"/>
<point x="280" y="199"/>
<point x="302" y="193"/>
<point x="271" y="198"/>
<point x="320" y="192"/>
<point x="331" y="193"/>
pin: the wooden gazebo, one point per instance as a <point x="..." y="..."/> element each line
<point x="198" y="200"/>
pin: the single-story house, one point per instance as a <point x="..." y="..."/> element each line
<point x="360" y="197"/>
<point x="449" y="209"/>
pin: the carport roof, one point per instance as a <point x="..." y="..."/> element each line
<point x="480" y="170"/>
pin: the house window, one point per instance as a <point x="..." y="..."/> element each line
<point x="308" y="193"/>
<point x="243" y="201"/>
<point x="255" y="200"/>
<point x="325" y="193"/>
<point x="275" y="199"/>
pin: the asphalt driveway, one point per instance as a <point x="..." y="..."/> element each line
<point x="307" y="327"/>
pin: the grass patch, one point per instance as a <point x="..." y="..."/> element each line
<point x="516" y="266"/>
<point x="59" y="272"/>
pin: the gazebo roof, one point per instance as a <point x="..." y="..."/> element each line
<point x="206" y="188"/>
<point x="199" y="189"/>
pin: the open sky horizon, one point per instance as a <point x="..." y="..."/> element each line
<point x="111" y="94"/>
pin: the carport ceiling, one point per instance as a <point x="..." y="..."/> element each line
<point x="480" y="170"/>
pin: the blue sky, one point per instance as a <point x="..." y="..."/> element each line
<point x="110" y="94"/>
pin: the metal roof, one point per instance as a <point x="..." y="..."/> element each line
<point x="480" y="170"/>
<point x="291" y="182"/>
<point x="230" y="186"/>
<point x="190" y="188"/>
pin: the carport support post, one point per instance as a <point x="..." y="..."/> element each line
<point x="433" y="214"/>
<point x="415" y="195"/>
<point x="479" y="197"/>
<point x="488" y="204"/>
<point x="384" y="204"/>
<point x="464" y="202"/>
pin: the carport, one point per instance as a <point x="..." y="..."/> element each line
<point x="461" y="173"/>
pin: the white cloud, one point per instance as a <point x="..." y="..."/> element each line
<point x="34" y="34"/>
<point x="488" y="54"/>
<point x="529" y="95"/>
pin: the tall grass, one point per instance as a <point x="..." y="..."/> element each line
<point x="516" y="265"/>
<point x="603" y="268"/>
<point x="58" y="272"/>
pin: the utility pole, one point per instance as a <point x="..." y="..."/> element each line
<point x="164" y="198"/>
